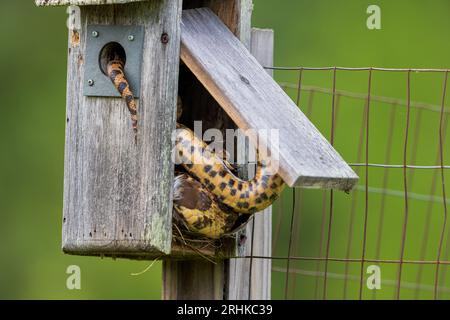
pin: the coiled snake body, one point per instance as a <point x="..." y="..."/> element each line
<point x="208" y="198"/>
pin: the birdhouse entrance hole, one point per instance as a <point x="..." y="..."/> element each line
<point x="111" y="51"/>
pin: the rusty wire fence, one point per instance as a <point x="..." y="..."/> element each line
<point x="330" y="245"/>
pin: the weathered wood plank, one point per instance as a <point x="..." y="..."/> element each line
<point x="82" y="2"/>
<point x="255" y="101"/>
<point x="250" y="279"/>
<point x="192" y="280"/>
<point x="117" y="195"/>
<point x="235" y="15"/>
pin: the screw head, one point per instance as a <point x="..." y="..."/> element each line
<point x="91" y="82"/>
<point x="130" y="37"/>
<point x="95" y="34"/>
<point x="165" y="38"/>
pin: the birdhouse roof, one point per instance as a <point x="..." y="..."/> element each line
<point x="255" y="101"/>
<point x="82" y="2"/>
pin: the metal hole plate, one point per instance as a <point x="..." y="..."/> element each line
<point x="131" y="38"/>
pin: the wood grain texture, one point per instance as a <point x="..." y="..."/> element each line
<point x="192" y="280"/>
<point x="117" y="195"/>
<point x="250" y="279"/>
<point x="82" y="2"/>
<point x="255" y="101"/>
<point x="235" y="14"/>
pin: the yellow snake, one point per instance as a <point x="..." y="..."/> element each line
<point x="208" y="198"/>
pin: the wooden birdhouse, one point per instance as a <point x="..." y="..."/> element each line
<point x="118" y="193"/>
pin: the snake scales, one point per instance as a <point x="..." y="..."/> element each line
<point x="208" y="197"/>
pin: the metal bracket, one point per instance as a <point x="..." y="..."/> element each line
<point x="131" y="38"/>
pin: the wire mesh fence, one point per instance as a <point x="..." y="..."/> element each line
<point x="330" y="245"/>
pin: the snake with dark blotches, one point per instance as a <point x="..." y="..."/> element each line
<point x="208" y="198"/>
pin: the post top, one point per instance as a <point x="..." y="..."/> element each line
<point x="81" y="2"/>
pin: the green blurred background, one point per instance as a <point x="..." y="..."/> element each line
<point x="33" y="52"/>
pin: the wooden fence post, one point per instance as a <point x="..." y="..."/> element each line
<point x="231" y="279"/>
<point x="202" y="279"/>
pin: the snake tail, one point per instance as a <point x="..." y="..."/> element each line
<point x="116" y="73"/>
